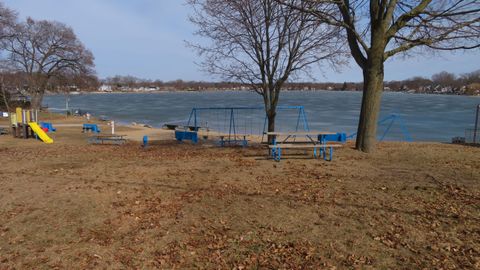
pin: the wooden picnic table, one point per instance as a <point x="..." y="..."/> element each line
<point x="107" y="139"/>
<point x="295" y="134"/>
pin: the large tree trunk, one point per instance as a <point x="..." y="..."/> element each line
<point x="373" y="77"/>
<point x="37" y="85"/>
<point x="271" y="114"/>
<point x="4" y="96"/>
<point x="36" y="100"/>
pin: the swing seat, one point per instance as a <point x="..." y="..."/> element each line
<point x="224" y="140"/>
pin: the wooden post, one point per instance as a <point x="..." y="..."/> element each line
<point x="25" y="131"/>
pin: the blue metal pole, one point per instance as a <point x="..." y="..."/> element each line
<point x="190" y="118"/>
<point x="230" y="128"/>
<point x="305" y="121"/>
<point x="195" y="126"/>
<point x="388" y="128"/>
<point x="407" y="135"/>
<point x="298" y="120"/>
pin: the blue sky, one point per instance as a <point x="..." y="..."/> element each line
<point x="145" y="38"/>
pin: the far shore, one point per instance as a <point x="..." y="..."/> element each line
<point x="227" y="90"/>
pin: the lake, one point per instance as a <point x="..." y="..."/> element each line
<point x="426" y="117"/>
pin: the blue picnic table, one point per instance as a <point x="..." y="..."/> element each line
<point x="316" y="140"/>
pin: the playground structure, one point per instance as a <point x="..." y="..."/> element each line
<point x="388" y="122"/>
<point x="25" y="125"/>
<point x="234" y="125"/>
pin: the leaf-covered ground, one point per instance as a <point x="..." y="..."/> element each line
<point x="78" y="206"/>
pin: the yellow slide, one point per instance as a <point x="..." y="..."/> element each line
<point x="40" y="133"/>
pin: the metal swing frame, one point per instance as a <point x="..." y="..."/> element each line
<point x="233" y="138"/>
<point x="392" y="118"/>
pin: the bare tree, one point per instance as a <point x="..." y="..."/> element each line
<point x="8" y="18"/>
<point x="262" y="43"/>
<point x="5" y="96"/>
<point x="379" y="29"/>
<point x="45" y="49"/>
<point x="71" y="81"/>
<point x="444" y="79"/>
<point x="471" y="77"/>
<point x="4" y="92"/>
<point x="7" y="21"/>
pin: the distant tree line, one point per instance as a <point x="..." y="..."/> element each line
<point x="130" y="83"/>
<point x="440" y="83"/>
<point x="443" y="83"/>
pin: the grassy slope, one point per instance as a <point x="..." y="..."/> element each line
<point x="78" y="206"/>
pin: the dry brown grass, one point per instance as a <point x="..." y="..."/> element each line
<point x="77" y="206"/>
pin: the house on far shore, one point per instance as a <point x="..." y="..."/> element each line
<point x="153" y="88"/>
<point x="105" y="88"/>
<point x="146" y="89"/>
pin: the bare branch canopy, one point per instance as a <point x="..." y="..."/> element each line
<point x="43" y="50"/>
<point x="262" y="43"/>
<point x="377" y="30"/>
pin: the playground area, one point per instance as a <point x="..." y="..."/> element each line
<point x="213" y="126"/>
<point x="75" y="205"/>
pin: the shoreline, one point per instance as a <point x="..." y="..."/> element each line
<point x="135" y="132"/>
<point x="252" y="91"/>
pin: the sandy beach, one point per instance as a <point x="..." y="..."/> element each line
<point x="71" y="205"/>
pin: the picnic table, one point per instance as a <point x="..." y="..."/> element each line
<point x="316" y="140"/>
<point x="3" y="131"/>
<point x="107" y="139"/>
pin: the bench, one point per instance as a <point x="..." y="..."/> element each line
<point x="339" y="137"/>
<point x="181" y="135"/>
<point x="107" y="139"/>
<point x="90" y="127"/>
<point x="276" y="149"/>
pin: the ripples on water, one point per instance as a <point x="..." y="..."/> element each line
<point x="427" y="117"/>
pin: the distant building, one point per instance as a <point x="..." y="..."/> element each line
<point x="105" y="88"/>
<point x="152" y="88"/>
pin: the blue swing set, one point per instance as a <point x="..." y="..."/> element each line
<point x="235" y="124"/>
<point x="390" y="120"/>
